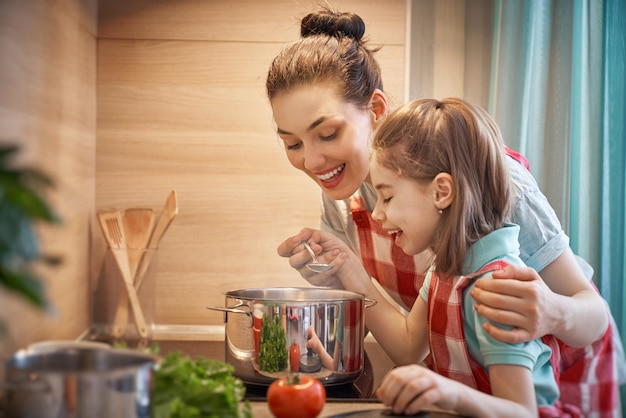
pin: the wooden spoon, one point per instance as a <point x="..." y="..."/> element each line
<point x="169" y="212"/>
<point x="138" y="224"/>
<point x="167" y="215"/>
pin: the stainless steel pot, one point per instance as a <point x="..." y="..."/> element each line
<point x="331" y="321"/>
<point x="78" y="382"/>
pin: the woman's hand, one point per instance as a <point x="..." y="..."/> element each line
<point x="347" y="271"/>
<point x="327" y="248"/>
<point x="561" y="302"/>
<point x="525" y="304"/>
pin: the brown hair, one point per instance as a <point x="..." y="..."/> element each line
<point x="426" y="137"/>
<point x="332" y="50"/>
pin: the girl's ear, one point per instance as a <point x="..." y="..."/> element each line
<point x="379" y="106"/>
<point x="444" y="190"/>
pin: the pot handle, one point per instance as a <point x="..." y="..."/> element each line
<point x="232" y="309"/>
<point x="369" y="302"/>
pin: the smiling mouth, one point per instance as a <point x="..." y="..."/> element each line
<point x="331" y="175"/>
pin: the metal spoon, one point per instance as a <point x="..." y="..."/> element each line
<point x="315" y="266"/>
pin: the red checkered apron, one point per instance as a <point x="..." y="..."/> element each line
<point x="517" y="157"/>
<point x="383" y="259"/>
<point x="449" y="356"/>
<point x="588" y="375"/>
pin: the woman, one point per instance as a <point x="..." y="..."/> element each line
<point x="327" y="99"/>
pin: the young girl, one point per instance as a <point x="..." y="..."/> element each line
<point x="442" y="184"/>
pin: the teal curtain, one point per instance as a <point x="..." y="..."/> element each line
<point x="558" y="92"/>
<point x="612" y="246"/>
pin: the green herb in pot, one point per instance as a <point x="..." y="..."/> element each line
<point x="273" y="355"/>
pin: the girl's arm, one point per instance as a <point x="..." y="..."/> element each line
<point x="405" y="341"/>
<point x="564" y="303"/>
<point x="409" y="389"/>
<point x="404" y="338"/>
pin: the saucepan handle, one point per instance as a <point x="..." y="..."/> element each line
<point x="233" y="309"/>
<point x="369" y="302"/>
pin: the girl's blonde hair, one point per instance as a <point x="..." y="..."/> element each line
<point x="426" y="137"/>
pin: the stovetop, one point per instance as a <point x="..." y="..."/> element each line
<point x="362" y="388"/>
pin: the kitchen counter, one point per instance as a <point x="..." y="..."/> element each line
<point x="358" y="400"/>
<point x="353" y="409"/>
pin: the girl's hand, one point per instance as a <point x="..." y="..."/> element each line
<point x="409" y="389"/>
<point x="313" y="342"/>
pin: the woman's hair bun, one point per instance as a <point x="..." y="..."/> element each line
<point x="330" y="23"/>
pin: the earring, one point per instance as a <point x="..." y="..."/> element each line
<point x="440" y="211"/>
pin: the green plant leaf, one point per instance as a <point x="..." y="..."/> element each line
<point x="16" y="190"/>
<point x="26" y="285"/>
<point x="21" y="206"/>
<point x="18" y="242"/>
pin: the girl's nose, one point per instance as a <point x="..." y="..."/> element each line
<point x="377" y="214"/>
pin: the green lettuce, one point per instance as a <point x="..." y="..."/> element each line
<point x="200" y="388"/>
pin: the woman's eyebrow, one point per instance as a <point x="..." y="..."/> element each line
<point x="312" y="126"/>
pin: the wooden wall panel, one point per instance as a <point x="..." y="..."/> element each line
<point x="181" y="105"/>
<point x="47" y="105"/>
<point x="239" y="20"/>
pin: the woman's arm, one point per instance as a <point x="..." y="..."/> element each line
<point x="409" y="389"/>
<point x="561" y="302"/>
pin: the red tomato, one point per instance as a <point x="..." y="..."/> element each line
<point x="296" y="397"/>
<point x="294" y="357"/>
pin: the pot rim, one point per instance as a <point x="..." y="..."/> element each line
<point x="294" y="294"/>
<point x="106" y="361"/>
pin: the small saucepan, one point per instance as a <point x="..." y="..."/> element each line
<point x="72" y="382"/>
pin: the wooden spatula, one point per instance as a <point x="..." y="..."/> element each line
<point x="112" y="227"/>
<point x="138" y="224"/>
